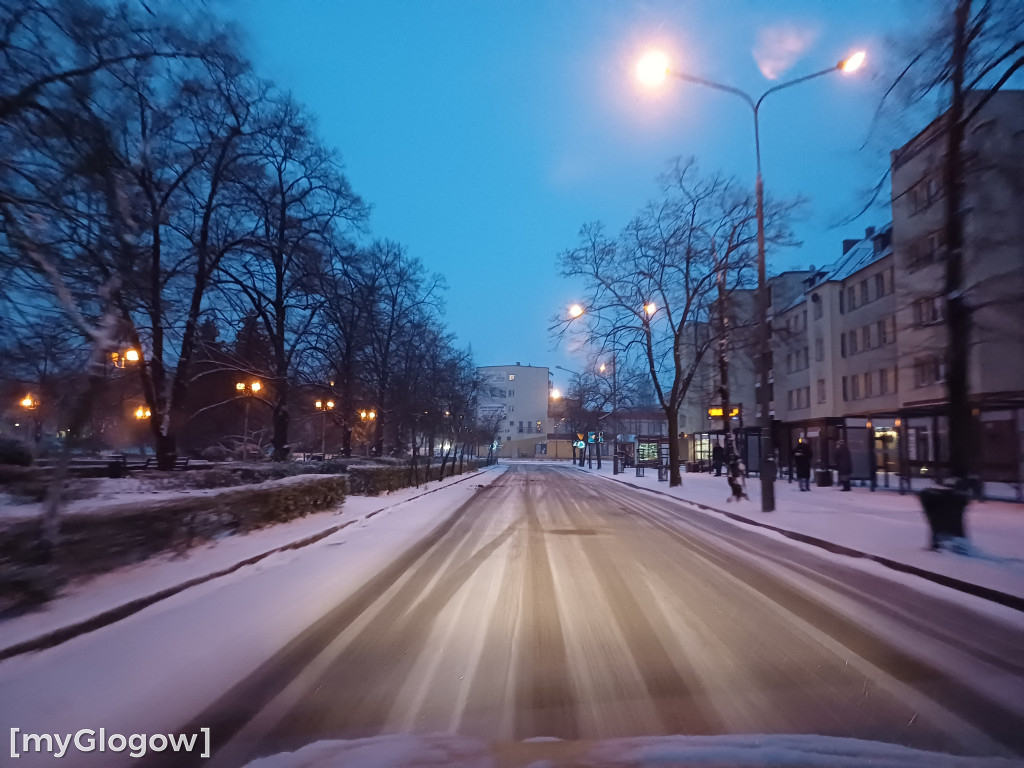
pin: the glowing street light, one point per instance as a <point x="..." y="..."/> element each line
<point x="29" y="402"/>
<point x="142" y="413"/>
<point x="324" y="408"/>
<point x="651" y="62"/>
<point x="249" y="390"/>
<point x="652" y="68"/>
<point x="853" y="62"/>
<point x="556" y="394"/>
<point x="121" y="359"/>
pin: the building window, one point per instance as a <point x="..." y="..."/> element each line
<point x="865" y="337"/>
<point x="846" y="389"/>
<point x="842" y="304"/>
<point x="853" y="342"/>
<point x="880" y="285"/>
<point x="818" y="308"/>
<point x="789" y="362"/>
<point x="538" y="427"/>
<point x="842" y="344"/>
<point x="511" y="377"/>
<point x="928" y="370"/>
<point x="855" y="387"/>
<point x="883" y="381"/>
<point x="511" y="393"/>
<point x="934" y="189"/>
<point x="927" y="311"/>
<point x="807" y="397"/>
<point x="869" y="390"/>
<point x="863" y="292"/>
<point x="851" y="298"/>
<point x="819" y="350"/>
<point x="792" y="399"/>
<point x="883" y="336"/>
<point x="821" y="390"/>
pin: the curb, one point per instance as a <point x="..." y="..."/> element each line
<point x="111" y="615"/>
<point x="986" y="593"/>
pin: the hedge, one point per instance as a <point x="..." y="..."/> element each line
<point x="127" y="533"/>
<point x="373" y="480"/>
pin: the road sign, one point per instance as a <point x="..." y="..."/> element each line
<point x="580" y="444"/>
<point x="590" y="437"/>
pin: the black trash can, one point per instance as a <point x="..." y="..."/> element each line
<point x="823" y="478"/>
<point x="944" y="508"/>
<point x="662" y="473"/>
<point x="640" y="470"/>
<point x="117" y="468"/>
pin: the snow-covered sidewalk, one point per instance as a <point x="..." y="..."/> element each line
<point x="94" y="602"/>
<point x="882" y="525"/>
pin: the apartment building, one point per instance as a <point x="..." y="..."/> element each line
<point x="861" y="352"/>
<point x="993" y="284"/>
<point x="515" y="399"/>
<point x="836" y="353"/>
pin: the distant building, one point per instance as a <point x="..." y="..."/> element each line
<point x="515" y="398"/>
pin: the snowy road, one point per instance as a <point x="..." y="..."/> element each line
<point x="554" y="604"/>
<point x="546" y="603"/>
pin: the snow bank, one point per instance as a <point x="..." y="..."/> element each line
<point x="881" y="524"/>
<point x="428" y="751"/>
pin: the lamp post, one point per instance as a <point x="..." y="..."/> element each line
<point x="367" y="417"/>
<point x="121" y="359"/>
<point x="324" y="407"/>
<point x="248" y="390"/>
<point x="30" y="403"/>
<point x="653" y="69"/>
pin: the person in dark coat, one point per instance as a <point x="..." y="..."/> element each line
<point x="844" y="464"/>
<point x="802" y="456"/>
<point x="717" y="459"/>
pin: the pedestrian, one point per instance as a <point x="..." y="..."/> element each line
<point x="802" y="455"/>
<point x="717" y="457"/>
<point x="844" y="464"/>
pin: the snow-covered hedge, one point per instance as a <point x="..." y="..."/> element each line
<point x="126" y="533"/>
<point x="371" y="481"/>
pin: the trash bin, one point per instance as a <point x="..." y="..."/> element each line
<point x="944" y="508"/>
<point x="117" y="468"/>
<point x="823" y="478"/>
<point x="639" y="470"/>
<point x="662" y="473"/>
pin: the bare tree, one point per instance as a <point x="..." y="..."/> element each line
<point x="654" y="286"/>
<point x="300" y="202"/>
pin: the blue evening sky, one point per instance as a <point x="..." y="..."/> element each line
<point x="484" y="134"/>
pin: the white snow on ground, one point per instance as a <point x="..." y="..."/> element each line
<point x="91" y="683"/>
<point x="882" y="524"/>
<point x="772" y="751"/>
<point x="90" y="597"/>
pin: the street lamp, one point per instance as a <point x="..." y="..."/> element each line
<point x="121" y="359"/>
<point x="324" y="408"/>
<point x="367" y="416"/>
<point x="247" y="390"/>
<point x="652" y="70"/>
<point x="142" y="413"/>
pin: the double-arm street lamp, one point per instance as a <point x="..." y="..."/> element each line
<point x="653" y="69"/>
<point x="324" y="407"/>
<point x="249" y="390"/>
